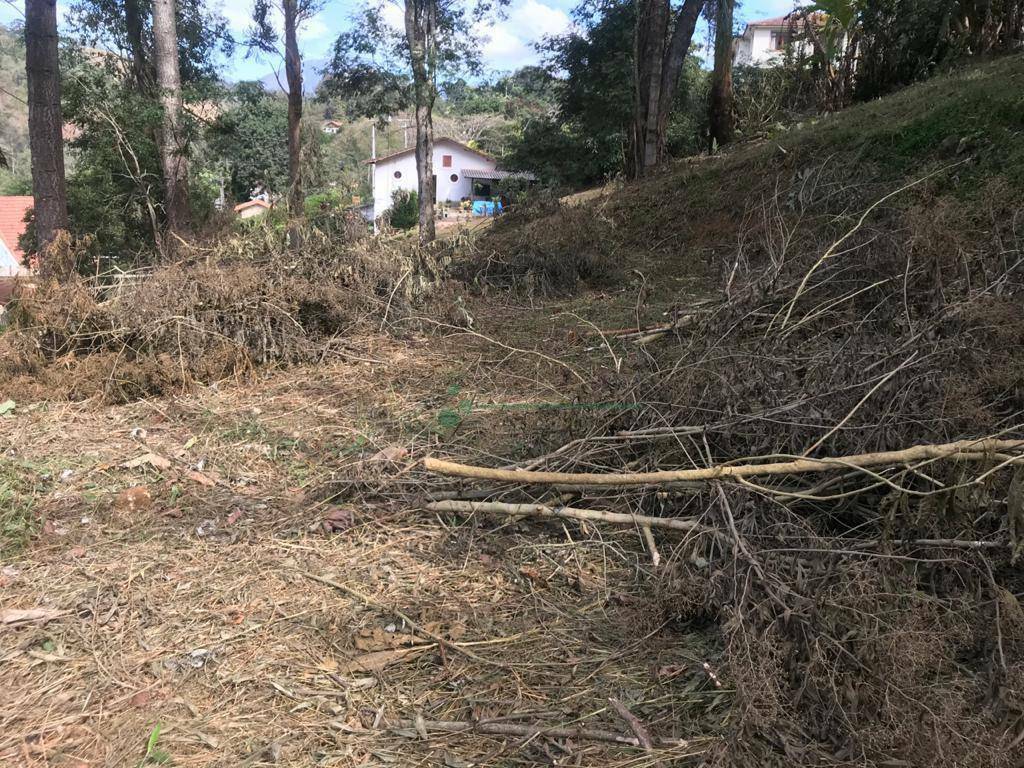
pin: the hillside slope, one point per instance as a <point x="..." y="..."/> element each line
<point x="694" y="214"/>
<point x="852" y="286"/>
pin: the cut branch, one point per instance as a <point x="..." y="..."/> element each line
<point x="967" y="450"/>
<point x="542" y="510"/>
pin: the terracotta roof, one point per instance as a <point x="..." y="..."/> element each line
<point x="12" y="222"/>
<point x="250" y="204"/>
<point x="784" y="21"/>
<point x="775" y="21"/>
<point x="438" y="140"/>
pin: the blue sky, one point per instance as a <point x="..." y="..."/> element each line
<point x="508" y="42"/>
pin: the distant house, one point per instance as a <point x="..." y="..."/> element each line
<point x="332" y="126"/>
<point x="763" y="43"/>
<point x="12" y="226"/>
<point x="461" y="173"/>
<point x="252" y="208"/>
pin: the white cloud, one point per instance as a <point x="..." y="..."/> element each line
<point x="238" y="14"/>
<point x="508" y="42"/>
<point x="314" y="29"/>
<point x="394" y="16"/>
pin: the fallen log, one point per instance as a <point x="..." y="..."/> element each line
<point x="543" y="510"/>
<point x="967" y="450"/>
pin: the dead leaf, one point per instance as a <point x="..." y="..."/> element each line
<point x="25" y="616"/>
<point x="375" y="639"/>
<point x="141" y="699"/>
<point x="532" y="574"/>
<point x="152" y="459"/>
<point x="77" y="552"/>
<point x="234" y="517"/>
<point x="392" y="453"/>
<point x="45" y="656"/>
<point x="133" y="499"/>
<point x="234" y="615"/>
<point x="378" y="660"/>
<point x="337" y="520"/>
<point x="199" y="477"/>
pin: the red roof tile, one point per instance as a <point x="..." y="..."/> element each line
<point x="12" y="221"/>
<point x="250" y="204"/>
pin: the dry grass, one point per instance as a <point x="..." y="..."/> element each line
<point x="188" y="604"/>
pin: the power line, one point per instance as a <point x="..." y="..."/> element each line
<point x="15" y="7"/>
<point x="13" y="95"/>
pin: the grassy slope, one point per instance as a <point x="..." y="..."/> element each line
<point x="978" y="111"/>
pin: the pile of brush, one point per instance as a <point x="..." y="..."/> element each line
<point x="244" y="303"/>
<point x="836" y="448"/>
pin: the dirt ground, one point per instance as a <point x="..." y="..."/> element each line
<point x="178" y="553"/>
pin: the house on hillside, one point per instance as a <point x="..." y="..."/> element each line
<point x="763" y="43"/>
<point x="331" y="126"/>
<point x="461" y="174"/>
<point x="13" y="209"/>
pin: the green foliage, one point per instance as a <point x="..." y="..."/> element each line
<point x="766" y="96"/>
<point x="155" y="755"/>
<point x="114" y="187"/>
<point x="17" y="516"/>
<point x="371" y="66"/>
<point x="15" y="178"/>
<point x="582" y="141"/>
<point x="404" y="209"/>
<point x="203" y="34"/>
<point x="249" y="139"/>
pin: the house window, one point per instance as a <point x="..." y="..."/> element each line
<point x="777" y="40"/>
<point x="398" y="174"/>
<point x="446" y="161"/>
<point x="454" y="177"/>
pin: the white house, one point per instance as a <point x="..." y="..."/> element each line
<point x="461" y="173"/>
<point x="252" y="208"/>
<point x="331" y="127"/>
<point x="764" y="42"/>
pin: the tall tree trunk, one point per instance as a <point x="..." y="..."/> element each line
<point x="420" y="19"/>
<point x="720" y="107"/>
<point x="658" y="64"/>
<point x="293" y="73"/>
<point x="133" y="30"/>
<point x="675" y="57"/>
<point x="173" y="149"/>
<point x="49" y="193"/>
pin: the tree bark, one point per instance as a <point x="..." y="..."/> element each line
<point x="658" y="64"/>
<point x="675" y="57"/>
<point x="133" y="30"/>
<point x="720" y="107"/>
<point x="173" y="147"/>
<point x="420" y="20"/>
<point x="50" y="207"/>
<point x="293" y="73"/>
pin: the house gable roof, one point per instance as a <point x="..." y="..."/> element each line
<point x="251" y="204"/>
<point x="12" y="222"/>
<point x="439" y="140"/>
<point x="784" y="22"/>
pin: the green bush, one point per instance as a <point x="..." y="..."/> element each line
<point x="405" y="209"/>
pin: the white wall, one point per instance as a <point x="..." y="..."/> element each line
<point x="385" y="183"/>
<point x="754" y="48"/>
<point x="9" y="266"/>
